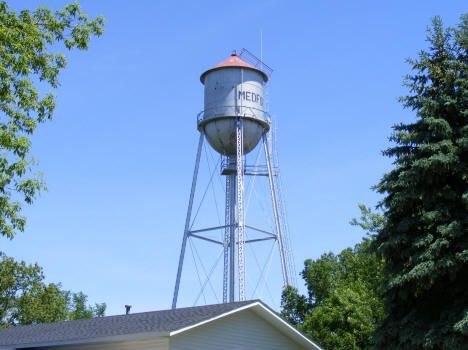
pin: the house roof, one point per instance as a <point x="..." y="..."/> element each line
<point x="164" y="321"/>
<point x="139" y="325"/>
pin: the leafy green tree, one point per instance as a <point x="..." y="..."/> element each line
<point x="39" y="303"/>
<point x="28" y="58"/>
<point x="425" y="239"/>
<point x="343" y="305"/>
<point x="79" y="309"/>
<point x="26" y="299"/>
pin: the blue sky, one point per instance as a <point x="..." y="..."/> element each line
<point x="118" y="156"/>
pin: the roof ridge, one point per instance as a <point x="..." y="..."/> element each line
<point x="149" y="321"/>
<point x="246" y="302"/>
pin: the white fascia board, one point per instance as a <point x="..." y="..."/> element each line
<point x="264" y="313"/>
<point x="212" y="319"/>
<point x="284" y="326"/>
<point x="92" y="340"/>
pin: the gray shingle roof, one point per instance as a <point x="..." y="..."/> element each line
<point x="156" y="321"/>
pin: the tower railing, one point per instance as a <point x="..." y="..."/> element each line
<point x="249" y="57"/>
<point x="229" y="167"/>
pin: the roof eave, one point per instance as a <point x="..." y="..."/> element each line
<point x="130" y="336"/>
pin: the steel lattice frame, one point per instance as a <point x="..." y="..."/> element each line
<point x="234" y="225"/>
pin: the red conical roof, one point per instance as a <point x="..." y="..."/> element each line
<point x="233" y="61"/>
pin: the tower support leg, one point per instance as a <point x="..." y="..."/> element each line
<point x="240" y="208"/>
<point x="187" y="221"/>
<point x="230" y="235"/>
<point x="232" y="240"/>
<point x="274" y="200"/>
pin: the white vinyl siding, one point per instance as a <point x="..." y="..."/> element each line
<point x="240" y="331"/>
<point x="155" y="343"/>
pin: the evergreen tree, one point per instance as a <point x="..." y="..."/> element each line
<point x="425" y="238"/>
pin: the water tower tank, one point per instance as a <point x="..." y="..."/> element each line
<point x="233" y="89"/>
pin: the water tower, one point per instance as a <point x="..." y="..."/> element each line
<point x="234" y="122"/>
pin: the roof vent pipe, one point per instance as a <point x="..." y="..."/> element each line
<point x="127" y="309"/>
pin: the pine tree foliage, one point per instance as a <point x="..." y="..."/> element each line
<point x="425" y="239"/>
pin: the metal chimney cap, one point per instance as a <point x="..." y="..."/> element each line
<point x="127" y="309"/>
